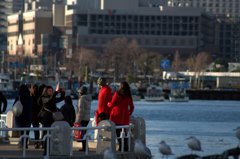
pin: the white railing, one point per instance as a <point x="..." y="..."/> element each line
<point x="3" y="118"/>
<point x="47" y="137"/>
<point x="25" y="136"/>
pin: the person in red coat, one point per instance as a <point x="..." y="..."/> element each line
<point x="104" y="97"/>
<point x="120" y="110"/>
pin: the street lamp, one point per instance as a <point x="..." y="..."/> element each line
<point x="2" y="62"/>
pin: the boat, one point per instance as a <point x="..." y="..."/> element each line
<point x="178" y="95"/>
<point x="135" y="93"/>
<point x="154" y="94"/>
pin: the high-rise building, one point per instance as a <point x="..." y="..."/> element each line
<point x="7" y="7"/>
<point x="229" y="8"/>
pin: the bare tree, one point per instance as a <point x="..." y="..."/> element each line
<point x="149" y="61"/>
<point x="117" y="53"/>
<point x="134" y="52"/>
<point x="176" y="63"/>
<point x="83" y="61"/>
<point x="198" y="64"/>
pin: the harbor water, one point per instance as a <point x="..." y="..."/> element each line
<point x="212" y="122"/>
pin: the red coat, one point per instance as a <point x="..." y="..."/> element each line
<point x="104" y="97"/>
<point x="120" y="109"/>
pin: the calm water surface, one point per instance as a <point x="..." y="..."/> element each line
<point x="210" y="121"/>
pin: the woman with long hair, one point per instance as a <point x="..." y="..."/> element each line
<point x="121" y="109"/>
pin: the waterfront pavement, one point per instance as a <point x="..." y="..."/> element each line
<point x="11" y="150"/>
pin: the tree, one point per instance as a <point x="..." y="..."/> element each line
<point x="176" y="63"/>
<point x="117" y="54"/>
<point x="198" y="63"/>
<point x="148" y="62"/>
<point x="134" y="52"/>
<point x="83" y="61"/>
<point x="220" y="65"/>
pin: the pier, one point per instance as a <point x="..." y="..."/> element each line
<point x="61" y="143"/>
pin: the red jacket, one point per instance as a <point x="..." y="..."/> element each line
<point x="104" y="97"/>
<point x="120" y="109"/>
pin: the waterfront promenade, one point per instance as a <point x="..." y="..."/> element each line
<point x="61" y="142"/>
<point x="12" y="151"/>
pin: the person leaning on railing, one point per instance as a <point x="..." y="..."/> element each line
<point x="120" y="112"/>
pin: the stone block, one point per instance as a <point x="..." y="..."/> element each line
<point x="61" y="141"/>
<point x="10" y="123"/>
<point x="109" y="136"/>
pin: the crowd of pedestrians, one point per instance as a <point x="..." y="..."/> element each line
<point x="39" y="107"/>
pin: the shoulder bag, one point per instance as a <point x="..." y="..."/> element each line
<point x="57" y="116"/>
<point x="17" y="108"/>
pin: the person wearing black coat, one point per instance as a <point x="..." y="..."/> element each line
<point x="68" y="111"/>
<point x="4" y="101"/>
<point x="25" y="119"/>
<point x="35" y="111"/>
<point x="48" y="101"/>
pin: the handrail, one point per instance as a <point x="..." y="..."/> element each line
<point x="86" y="137"/>
<point x="25" y="136"/>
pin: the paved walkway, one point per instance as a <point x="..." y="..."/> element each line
<point x="12" y="150"/>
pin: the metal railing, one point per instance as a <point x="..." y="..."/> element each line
<point x="25" y="136"/>
<point x="48" y="136"/>
<point x="3" y="118"/>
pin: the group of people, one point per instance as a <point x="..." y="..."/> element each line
<point x="39" y="104"/>
<point x="117" y="108"/>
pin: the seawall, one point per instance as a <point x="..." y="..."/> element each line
<point x="210" y="94"/>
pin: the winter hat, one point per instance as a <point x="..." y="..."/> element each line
<point x="83" y="90"/>
<point x="101" y="81"/>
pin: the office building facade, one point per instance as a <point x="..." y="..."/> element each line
<point x="163" y="31"/>
<point x="35" y="24"/>
<point x="229" y="8"/>
<point x="7" y="7"/>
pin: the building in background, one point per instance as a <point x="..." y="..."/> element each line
<point x="60" y="28"/>
<point x="38" y="4"/>
<point x="7" y="7"/>
<point x="15" y="32"/>
<point x="186" y="30"/>
<point x="229" y="8"/>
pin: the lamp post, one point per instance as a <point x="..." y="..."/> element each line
<point x="2" y="70"/>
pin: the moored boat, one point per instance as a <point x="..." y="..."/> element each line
<point x="154" y="94"/>
<point x="178" y="95"/>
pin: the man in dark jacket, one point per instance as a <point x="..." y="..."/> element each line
<point x="4" y="101"/>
